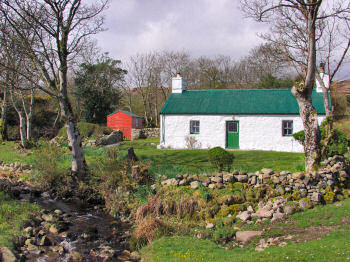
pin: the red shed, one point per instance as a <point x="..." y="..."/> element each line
<point x="124" y="121"/>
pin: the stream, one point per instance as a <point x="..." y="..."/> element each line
<point x="94" y="234"/>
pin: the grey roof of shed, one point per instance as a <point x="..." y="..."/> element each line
<point x="126" y="112"/>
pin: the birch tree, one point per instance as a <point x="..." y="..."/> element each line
<point x="59" y="28"/>
<point x="296" y="27"/>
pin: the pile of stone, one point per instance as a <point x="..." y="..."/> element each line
<point x="17" y="166"/>
<point x="111" y="139"/>
<point x="40" y="235"/>
<point x="48" y="234"/>
<point x="333" y="176"/>
<point x="276" y="210"/>
<point x="145" y="133"/>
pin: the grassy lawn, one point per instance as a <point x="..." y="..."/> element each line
<point x="9" y="155"/>
<point x="172" y="162"/>
<point x="12" y="215"/>
<point x="331" y="246"/>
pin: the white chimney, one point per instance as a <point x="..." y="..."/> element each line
<point x="178" y="84"/>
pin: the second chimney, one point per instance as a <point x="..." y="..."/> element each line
<point x="178" y="84"/>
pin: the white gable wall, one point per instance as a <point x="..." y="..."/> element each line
<point x="256" y="132"/>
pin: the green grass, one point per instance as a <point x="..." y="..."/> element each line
<point x="334" y="246"/>
<point x="12" y="214"/>
<point x="172" y="162"/>
<point x="9" y="155"/>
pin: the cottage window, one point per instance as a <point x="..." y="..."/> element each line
<point x="137" y="123"/>
<point x="194" y="127"/>
<point x="287" y="127"/>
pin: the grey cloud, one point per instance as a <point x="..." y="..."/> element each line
<point x="201" y="27"/>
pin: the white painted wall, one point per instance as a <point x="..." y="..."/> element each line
<point x="256" y="132"/>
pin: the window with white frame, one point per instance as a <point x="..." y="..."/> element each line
<point x="287" y="127"/>
<point x="194" y="127"/>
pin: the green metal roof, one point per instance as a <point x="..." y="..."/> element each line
<point x="126" y="112"/>
<point x="238" y="101"/>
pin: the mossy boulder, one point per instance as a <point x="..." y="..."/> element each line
<point x="290" y="208"/>
<point x="346" y="193"/>
<point x="329" y="197"/>
<point x="305" y="203"/>
<point x="296" y="195"/>
<point x="230" y="210"/>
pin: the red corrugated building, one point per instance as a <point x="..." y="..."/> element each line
<point x="124" y="121"/>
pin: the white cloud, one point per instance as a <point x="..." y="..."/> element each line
<point x="201" y="27"/>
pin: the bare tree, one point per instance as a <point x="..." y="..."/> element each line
<point x="333" y="51"/>
<point x="141" y="76"/>
<point x="14" y="66"/>
<point x="59" y="29"/>
<point x="296" y="27"/>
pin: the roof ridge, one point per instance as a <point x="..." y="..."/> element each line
<point x="250" y="89"/>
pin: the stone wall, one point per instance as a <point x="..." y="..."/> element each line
<point x="145" y="133"/>
<point x="326" y="185"/>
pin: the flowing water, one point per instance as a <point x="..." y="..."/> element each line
<point x="108" y="233"/>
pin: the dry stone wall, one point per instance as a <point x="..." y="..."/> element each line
<point x="326" y="185"/>
<point x="145" y="133"/>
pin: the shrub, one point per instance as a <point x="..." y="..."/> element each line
<point x="50" y="175"/>
<point x="300" y="136"/>
<point x="87" y="130"/>
<point x="205" y="193"/>
<point x="220" y="158"/>
<point x="224" y="232"/>
<point x="191" y="142"/>
<point x="337" y="145"/>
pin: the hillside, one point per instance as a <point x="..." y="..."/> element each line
<point x="342" y="87"/>
<point x="340" y="99"/>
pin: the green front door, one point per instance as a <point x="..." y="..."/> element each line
<point x="232" y="134"/>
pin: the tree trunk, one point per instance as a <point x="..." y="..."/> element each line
<point x="74" y="139"/>
<point x="22" y="128"/>
<point x="4" y="110"/>
<point x="303" y="95"/>
<point x="145" y="111"/>
<point x="29" y="116"/>
<point x="308" y="115"/>
<point x="325" y="94"/>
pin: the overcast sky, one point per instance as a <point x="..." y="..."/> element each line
<point x="199" y="27"/>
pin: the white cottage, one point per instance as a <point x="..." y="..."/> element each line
<point x="247" y="119"/>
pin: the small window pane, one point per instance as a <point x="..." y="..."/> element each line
<point x="194" y="127"/>
<point x="233" y="127"/>
<point x="287" y="127"/>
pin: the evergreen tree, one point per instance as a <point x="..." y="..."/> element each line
<point x="98" y="88"/>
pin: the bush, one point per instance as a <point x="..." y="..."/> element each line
<point x="87" y="130"/>
<point x="337" y="145"/>
<point x="300" y="136"/>
<point x="50" y="175"/>
<point x="220" y="158"/>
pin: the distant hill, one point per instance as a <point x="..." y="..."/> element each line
<point x="342" y="87"/>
